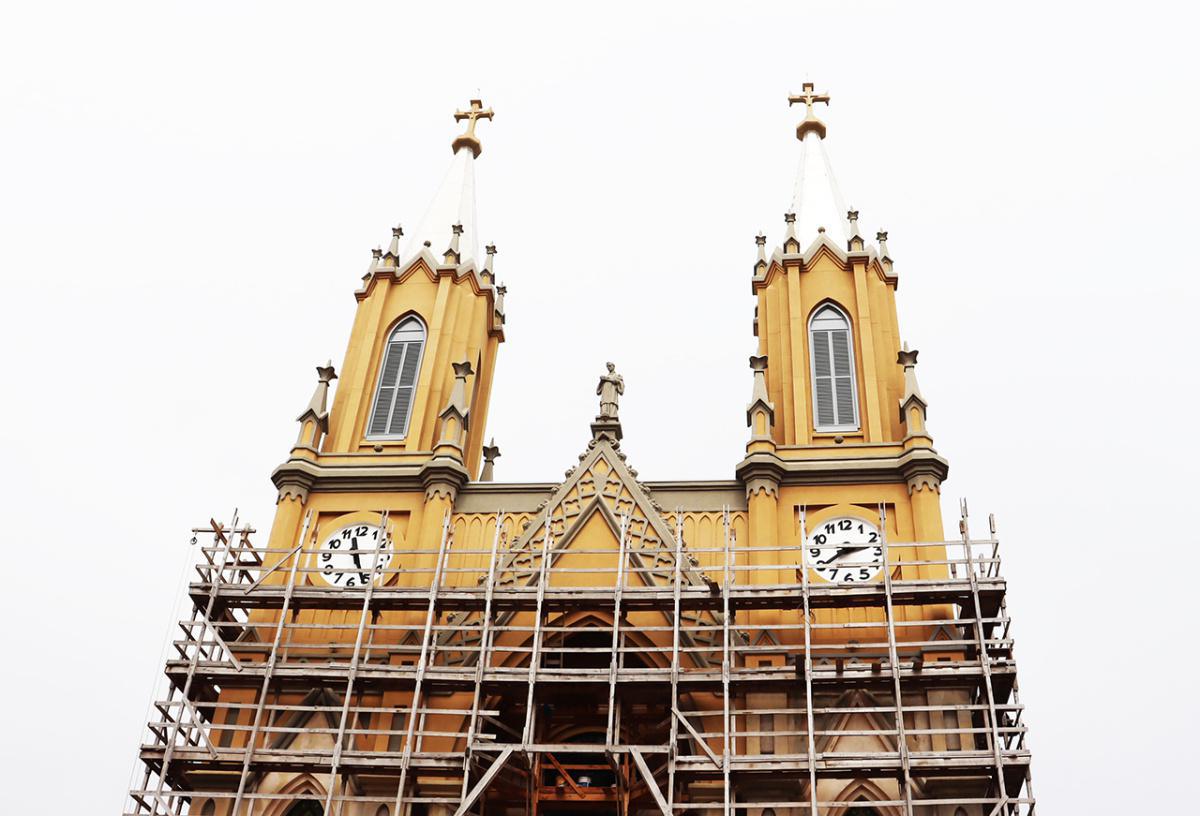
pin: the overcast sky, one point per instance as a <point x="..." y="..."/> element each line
<point x="189" y="193"/>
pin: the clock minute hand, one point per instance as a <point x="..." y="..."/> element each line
<point x="846" y="551"/>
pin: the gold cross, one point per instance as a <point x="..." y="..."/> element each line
<point x="472" y="116"/>
<point x="808" y="97"/>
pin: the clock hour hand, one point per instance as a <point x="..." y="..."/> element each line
<point x="354" y="553"/>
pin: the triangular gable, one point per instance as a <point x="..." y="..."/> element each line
<point x="834" y="724"/>
<point x="600" y="485"/>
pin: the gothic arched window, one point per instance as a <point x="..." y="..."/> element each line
<point x="397" y="380"/>
<point x="834" y="387"/>
<point x="862" y="811"/>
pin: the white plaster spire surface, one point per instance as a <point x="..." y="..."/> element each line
<point x="454" y="202"/>
<point x="817" y="201"/>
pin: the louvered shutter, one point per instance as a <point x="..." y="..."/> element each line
<point x="833" y="370"/>
<point x="823" y="387"/>
<point x="397" y="380"/>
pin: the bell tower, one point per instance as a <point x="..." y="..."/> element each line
<point x="429" y="307"/>
<point x="835" y="399"/>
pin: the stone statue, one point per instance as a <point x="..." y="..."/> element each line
<point x="611" y="387"/>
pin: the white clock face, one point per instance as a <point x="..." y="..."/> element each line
<point x="845" y="550"/>
<point x="347" y="556"/>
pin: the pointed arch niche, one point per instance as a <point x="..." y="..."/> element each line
<point x="834" y="380"/>
<point x="391" y="409"/>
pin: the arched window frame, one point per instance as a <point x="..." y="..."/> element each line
<point x="408" y="323"/>
<point x="838" y="424"/>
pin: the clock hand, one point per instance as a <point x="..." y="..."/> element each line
<point x="840" y="552"/>
<point x="354" y="552"/>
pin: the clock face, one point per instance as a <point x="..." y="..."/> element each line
<point x="845" y="550"/>
<point x="347" y="555"/>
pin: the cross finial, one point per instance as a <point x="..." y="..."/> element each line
<point x="808" y="96"/>
<point x="468" y="138"/>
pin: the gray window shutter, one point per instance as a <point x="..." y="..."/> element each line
<point x="833" y="370"/>
<point x="397" y="380"/>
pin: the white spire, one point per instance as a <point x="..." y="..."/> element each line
<point x="817" y="201"/>
<point x="453" y="204"/>
<point x="455" y="199"/>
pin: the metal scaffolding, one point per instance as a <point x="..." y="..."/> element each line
<point x="438" y="690"/>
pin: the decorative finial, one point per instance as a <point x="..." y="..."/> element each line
<point x="791" y="243"/>
<point x="912" y="399"/>
<point x="884" y="258"/>
<point x="376" y="256"/>
<point x="490" y="454"/>
<point x="315" y="412"/>
<point x="452" y="256"/>
<point x="394" y="247"/>
<point x="489" y="265"/>
<point x="811" y="122"/>
<point x="760" y="407"/>
<point x="856" y="241"/>
<point x="501" y="291"/>
<point x="761" y="241"/>
<point x="468" y="139"/>
<point x="455" y="416"/>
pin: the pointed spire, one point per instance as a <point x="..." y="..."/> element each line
<point x="501" y="291"/>
<point x="791" y="243"/>
<point x="816" y="201"/>
<point x="490" y="454"/>
<point x="856" y="239"/>
<point x="489" y="266"/>
<point x="376" y="259"/>
<point x="452" y="255"/>
<point x="456" y="418"/>
<point x="760" y="265"/>
<point x="316" y="412"/>
<point x="915" y="419"/>
<point x="394" y="247"/>
<point x="454" y="202"/>
<point x="759" y="401"/>
<point x="884" y="259"/>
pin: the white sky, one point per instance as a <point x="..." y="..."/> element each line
<point x="188" y="197"/>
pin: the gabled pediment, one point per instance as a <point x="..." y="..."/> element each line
<point x="584" y="517"/>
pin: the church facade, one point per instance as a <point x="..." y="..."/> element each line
<point x="414" y="638"/>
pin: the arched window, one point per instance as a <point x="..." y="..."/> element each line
<point x="862" y="811"/>
<point x="397" y="380"/>
<point x="834" y="384"/>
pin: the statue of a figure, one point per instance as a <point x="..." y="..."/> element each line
<point x="611" y="387"/>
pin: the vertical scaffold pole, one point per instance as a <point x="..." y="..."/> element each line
<point x="894" y="660"/>
<point x="482" y="658"/>
<point x="295" y="556"/>
<point x="422" y="664"/>
<point x="810" y="720"/>
<point x="729" y="746"/>
<point x="535" y="656"/>
<point x="614" y="657"/>
<point x="984" y="660"/>
<point x="677" y="581"/>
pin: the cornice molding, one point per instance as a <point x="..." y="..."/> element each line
<point x="920" y="464"/>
